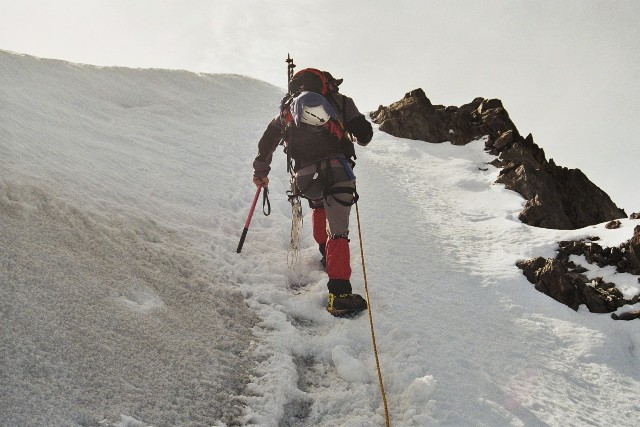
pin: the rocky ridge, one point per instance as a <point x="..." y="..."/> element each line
<point x="556" y="197"/>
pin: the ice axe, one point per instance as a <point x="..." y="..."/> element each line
<point x="253" y="207"/>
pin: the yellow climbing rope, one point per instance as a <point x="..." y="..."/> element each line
<point x="373" y="334"/>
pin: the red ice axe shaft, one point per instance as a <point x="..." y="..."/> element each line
<point x="246" y="224"/>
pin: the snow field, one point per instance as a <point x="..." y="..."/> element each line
<point x="122" y="197"/>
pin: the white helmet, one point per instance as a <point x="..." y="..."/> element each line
<point x="312" y="109"/>
<point x="316" y="116"/>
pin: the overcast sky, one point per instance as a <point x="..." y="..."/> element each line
<point x="567" y="71"/>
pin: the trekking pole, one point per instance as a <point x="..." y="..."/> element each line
<point x="246" y="224"/>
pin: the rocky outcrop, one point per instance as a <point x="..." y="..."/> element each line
<point x="564" y="281"/>
<point x="628" y="315"/>
<point x="415" y="117"/>
<point x="557" y="197"/>
<point x="632" y="250"/>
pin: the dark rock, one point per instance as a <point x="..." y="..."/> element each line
<point x="556" y="197"/>
<point x="531" y="267"/>
<point x="601" y="297"/>
<point x="577" y="268"/>
<point x="564" y="281"/>
<point x="632" y="251"/>
<point x="571" y="248"/>
<point x="613" y="224"/>
<point x="594" y="254"/>
<point x="635" y="215"/>
<point x="628" y="315"/>
<point x="504" y="141"/>
<point x="616" y="256"/>
<point x="415" y="117"/>
<point x="552" y="279"/>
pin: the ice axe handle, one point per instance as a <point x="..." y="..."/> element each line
<point x="246" y="224"/>
<point x="244" y="235"/>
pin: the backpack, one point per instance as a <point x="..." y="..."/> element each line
<point x="310" y="80"/>
<point x="312" y="131"/>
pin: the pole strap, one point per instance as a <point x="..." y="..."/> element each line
<point x="266" y="204"/>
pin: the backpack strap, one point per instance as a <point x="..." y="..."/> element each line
<point x="346" y="134"/>
<point x="286" y="118"/>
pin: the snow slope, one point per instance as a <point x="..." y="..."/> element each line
<point x="123" y="302"/>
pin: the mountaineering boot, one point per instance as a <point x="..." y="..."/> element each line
<point x="342" y="303"/>
<point x="345" y="305"/>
